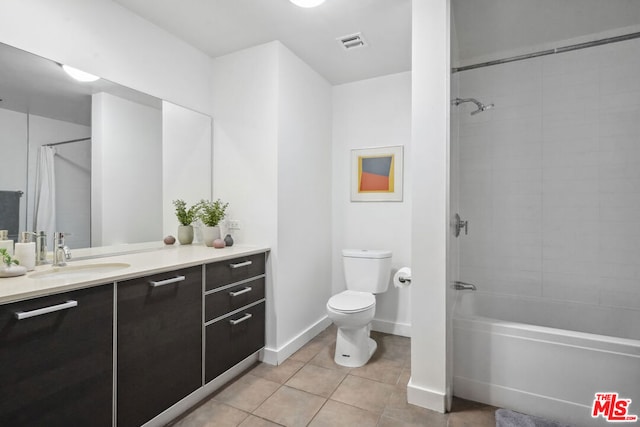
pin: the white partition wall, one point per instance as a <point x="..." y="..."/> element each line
<point x="186" y="160"/>
<point x="125" y="151"/>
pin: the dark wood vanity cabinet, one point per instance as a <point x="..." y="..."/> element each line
<point x="57" y="353"/>
<point x="234" y="312"/>
<point x="159" y="343"/>
<point x="56" y="361"/>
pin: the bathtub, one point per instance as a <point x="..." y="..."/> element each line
<point x="545" y="358"/>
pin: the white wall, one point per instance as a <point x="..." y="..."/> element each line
<point x="373" y="113"/>
<point x="187" y="160"/>
<point x="126" y="149"/>
<point x="13" y="145"/>
<point x="304" y="196"/>
<point x="271" y="122"/>
<point x="549" y="178"/>
<point x="103" y="38"/>
<point x="245" y="152"/>
<point x="430" y="218"/>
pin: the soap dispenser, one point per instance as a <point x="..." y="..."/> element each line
<point x="5" y="242"/>
<point x="26" y="251"/>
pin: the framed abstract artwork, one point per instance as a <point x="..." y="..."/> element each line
<point x="376" y="174"/>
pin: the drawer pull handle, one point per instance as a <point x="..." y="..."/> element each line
<point x="246" y="316"/>
<point x="40" y="311"/>
<point x="241" y="264"/>
<point x="176" y="279"/>
<point x="243" y="291"/>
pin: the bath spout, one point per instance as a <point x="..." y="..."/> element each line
<point x="460" y="286"/>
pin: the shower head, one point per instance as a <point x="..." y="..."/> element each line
<point x="481" y="107"/>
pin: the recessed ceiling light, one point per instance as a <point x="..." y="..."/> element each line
<point x="79" y="75"/>
<point x="307" y="3"/>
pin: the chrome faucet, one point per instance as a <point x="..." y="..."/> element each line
<point x="461" y="286"/>
<point x="61" y="253"/>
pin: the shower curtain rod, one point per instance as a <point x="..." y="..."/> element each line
<point x="563" y="49"/>
<point x="66" y="142"/>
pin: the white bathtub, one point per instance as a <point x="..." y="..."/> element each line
<point x="544" y="358"/>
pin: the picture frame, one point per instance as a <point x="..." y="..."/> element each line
<point x="377" y="174"/>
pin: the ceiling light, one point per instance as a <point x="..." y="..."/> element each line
<point x="79" y="75"/>
<point x="307" y="3"/>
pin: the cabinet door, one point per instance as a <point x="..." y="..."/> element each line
<point x="232" y="339"/>
<point x="159" y="341"/>
<point x="56" y="367"/>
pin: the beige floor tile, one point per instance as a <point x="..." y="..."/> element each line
<point x="404" y="378"/>
<point x="465" y="413"/>
<point x="247" y="392"/>
<point x="290" y="407"/>
<point x="316" y="380"/>
<point x="398" y="409"/>
<point x="373" y="395"/>
<point x="393" y="422"/>
<point x="336" y="414"/>
<point x="308" y="352"/>
<point x="363" y="393"/>
<point x="393" y="348"/>
<point x="328" y="336"/>
<point x="213" y="414"/>
<point x="280" y="373"/>
<point x="325" y="359"/>
<point x="253" y="421"/>
<point x="379" y="369"/>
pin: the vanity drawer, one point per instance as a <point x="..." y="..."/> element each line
<point x="234" y="270"/>
<point x="233" y="338"/>
<point x="227" y="300"/>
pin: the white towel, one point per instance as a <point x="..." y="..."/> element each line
<point x="44" y="218"/>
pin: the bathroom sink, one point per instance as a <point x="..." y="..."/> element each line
<point x="78" y="271"/>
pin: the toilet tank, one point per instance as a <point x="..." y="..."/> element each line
<point x="367" y="270"/>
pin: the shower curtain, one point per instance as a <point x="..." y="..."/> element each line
<point x="44" y="218"/>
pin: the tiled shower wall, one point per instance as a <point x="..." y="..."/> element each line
<point x="550" y="178"/>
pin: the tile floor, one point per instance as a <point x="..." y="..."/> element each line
<point x="309" y="389"/>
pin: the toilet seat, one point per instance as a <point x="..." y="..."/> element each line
<point x="351" y="301"/>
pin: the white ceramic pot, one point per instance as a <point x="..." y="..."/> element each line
<point x="185" y="234"/>
<point x="209" y="234"/>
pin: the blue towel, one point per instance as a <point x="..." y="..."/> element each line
<point x="10" y="212"/>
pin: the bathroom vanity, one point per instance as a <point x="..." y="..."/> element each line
<point x="128" y="340"/>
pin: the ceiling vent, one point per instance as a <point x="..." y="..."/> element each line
<point x="352" y="41"/>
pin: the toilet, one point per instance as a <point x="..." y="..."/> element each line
<point x="366" y="273"/>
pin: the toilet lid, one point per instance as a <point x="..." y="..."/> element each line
<point x="351" y="301"/>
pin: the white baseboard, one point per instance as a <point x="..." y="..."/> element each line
<point x="528" y="403"/>
<point x="277" y="356"/>
<point x="393" y="328"/>
<point x="423" y="397"/>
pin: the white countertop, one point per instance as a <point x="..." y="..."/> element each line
<point x="141" y="264"/>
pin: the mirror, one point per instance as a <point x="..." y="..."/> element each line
<point x="91" y="158"/>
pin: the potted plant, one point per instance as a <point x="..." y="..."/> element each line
<point x="211" y="213"/>
<point x="9" y="266"/>
<point x="185" y="216"/>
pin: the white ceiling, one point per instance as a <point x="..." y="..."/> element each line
<point x="484" y="28"/>
<point x="218" y="27"/>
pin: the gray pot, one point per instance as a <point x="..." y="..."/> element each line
<point x="209" y="234"/>
<point x="185" y="234"/>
